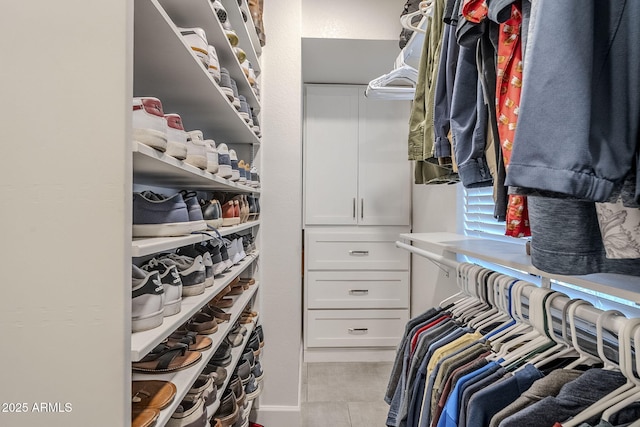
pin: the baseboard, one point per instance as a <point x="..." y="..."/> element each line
<point x="348" y="355"/>
<point x="271" y="416"/>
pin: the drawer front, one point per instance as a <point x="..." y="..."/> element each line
<point x="349" y="251"/>
<point x="358" y="289"/>
<point x="355" y="328"/>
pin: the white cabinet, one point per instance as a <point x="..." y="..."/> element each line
<point x="355" y="158"/>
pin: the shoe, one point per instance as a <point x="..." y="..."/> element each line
<point x="221" y="12"/>
<point x="256" y="125"/>
<point x="189" y="414"/>
<point x="219" y="266"/>
<point x="219" y="314"/>
<point x="236" y="100"/>
<point x="222" y="356"/>
<point x="234" y="256"/>
<point x="202" y="324"/>
<point x="257" y="371"/>
<point x="149" y="124"/>
<point x="214" y="64"/>
<point x="224" y="253"/>
<point x="147" y="300"/>
<point x="194" y="341"/>
<point x="240" y="54"/>
<point x="258" y="205"/>
<point x="196" y="38"/>
<point x="156" y="215"/>
<point x="246" y="66"/>
<point x="224" y="162"/>
<point x="204" y="387"/>
<point x="229" y="217"/>
<point x="254" y="344"/>
<point x="192" y="272"/>
<point x="238" y="391"/>
<point x="171" y="284"/>
<point x="225" y="84"/>
<point x="254" y="177"/>
<point x="194" y="251"/>
<point x="260" y="334"/>
<point x="243" y="176"/>
<point x="244" y="109"/>
<point x="253" y="388"/>
<point x="212" y="213"/>
<point x="176" y="137"/>
<point x="218" y="372"/>
<point x="256" y="8"/>
<point x="212" y="155"/>
<point x="193" y="208"/>
<point x="152" y="394"/>
<point x="228" y="412"/>
<point x="196" y="154"/>
<point x="245" y="207"/>
<point x="249" y="357"/>
<point x="243" y="370"/>
<point x="252" y="204"/>
<point x="233" y="158"/>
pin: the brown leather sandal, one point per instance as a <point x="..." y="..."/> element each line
<point x="166" y="358"/>
<point x="152" y="394"/>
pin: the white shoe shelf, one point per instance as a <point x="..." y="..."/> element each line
<point x="151" y="245"/>
<point x="153" y="167"/>
<point x="143" y="342"/>
<point x="251" y="29"/>
<point x="185" y="378"/>
<point x="513" y="255"/>
<point x="167" y="68"/>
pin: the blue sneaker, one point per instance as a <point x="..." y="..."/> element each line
<point x="156" y="215"/>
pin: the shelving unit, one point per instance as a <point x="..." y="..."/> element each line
<point x="143" y="342"/>
<point x="184" y="379"/>
<point x="167" y="68"/>
<point x="244" y="29"/>
<point x="251" y="29"/>
<point x="513" y="255"/>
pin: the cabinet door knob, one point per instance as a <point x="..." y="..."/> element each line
<point x="359" y="253"/>
<point x="358" y="331"/>
<point x="359" y="292"/>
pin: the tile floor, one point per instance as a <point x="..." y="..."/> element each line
<point x="344" y="394"/>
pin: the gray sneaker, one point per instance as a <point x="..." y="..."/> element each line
<point x="156" y="215"/>
<point x="192" y="272"/>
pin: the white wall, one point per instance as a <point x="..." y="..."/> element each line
<point x="352" y="19"/>
<point x="65" y="219"/>
<point x="281" y="247"/>
<point x="434" y="209"/>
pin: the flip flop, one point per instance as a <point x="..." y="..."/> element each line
<point x="152" y="394"/>
<point x="166" y="358"/>
<point x="192" y="339"/>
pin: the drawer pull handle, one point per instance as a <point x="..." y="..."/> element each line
<point x="359" y="292"/>
<point x="358" y="331"/>
<point x="359" y="253"/>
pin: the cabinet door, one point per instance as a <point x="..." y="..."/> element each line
<point x="384" y="171"/>
<point x="330" y="155"/>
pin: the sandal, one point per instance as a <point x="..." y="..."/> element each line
<point x="152" y="394"/>
<point x="144" y="417"/>
<point x="220" y="315"/>
<point x="166" y="358"/>
<point x="203" y="324"/>
<point x="192" y="339"/>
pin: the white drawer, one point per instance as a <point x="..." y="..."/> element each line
<point x="355" y="328"/>
<point x="354" y="251"/>
<point x="358" y="289"/>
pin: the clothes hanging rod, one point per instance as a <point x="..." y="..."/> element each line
<point x="439" y="259"/>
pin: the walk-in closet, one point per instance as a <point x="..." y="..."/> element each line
<point x="302" y="213"/>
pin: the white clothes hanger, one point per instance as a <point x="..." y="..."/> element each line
<point x="424" y="8"/>
<point x="491" y="301"/>
<point x="622" y="392"/>
<point x="500" y="302"/>
<point x="520" y="326"/>
<point x="608" y="364"/>
<point x="584" y="356"/>
<point x="562" y="348"/>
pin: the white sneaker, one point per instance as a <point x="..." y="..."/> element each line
<point x="193" y="273"/>
<point x="196" y="38"/>
<point x="224" y="162"/>
<point x="196" y="150"/>
<point x="240" y="54"/>
<point x="214" y="64"/>
<point x="212" y="155"/>
<point x="171" y="283"/>
<point x="233" y="158"/>
<point x="149" y="124"/>
<point x="176" y="137"/>
<point x="147" y="300"/>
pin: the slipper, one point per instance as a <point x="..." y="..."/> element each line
<point x="203" y="324"/>
<point x="192" y="339"/>
<point x="220" y="315"/>
<point x="164" y="358"/>
<point x="237" y="290"/>
<point x="144" y="417"/>
<point x="152" y="394"/>
<point x="225" y="303"/>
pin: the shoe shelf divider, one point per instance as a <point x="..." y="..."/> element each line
<point x="251" y="28"/>
<point x="236" y="354"/>
<point x="153" y="167"/>
<point x="167" y="68"/>
<point x="242" y="28"/>
<point x="513" y="255"/>
<point x="200" y="13"/>
<point x="151" y="245"/>
<point x="143" y="342"/>
<point x="184" y="379"/>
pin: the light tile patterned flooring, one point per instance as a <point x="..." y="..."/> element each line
<point x="344" y="394"/>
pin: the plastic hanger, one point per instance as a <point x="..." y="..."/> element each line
<point x="515" y="306"/>
<point x="608" y="364"/>
<point x="491" y="301"/>
<point x="584" y="356"/>
<point x="622" y="392"/>
<point x="562" y="347"/>
<point x="424" y="8"/>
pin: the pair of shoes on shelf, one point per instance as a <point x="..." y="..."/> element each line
<point x="148" y="398"/>
<point x="157" y="215"/>
<point x="256" y="8"/>
<point x="228" y="163"/>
